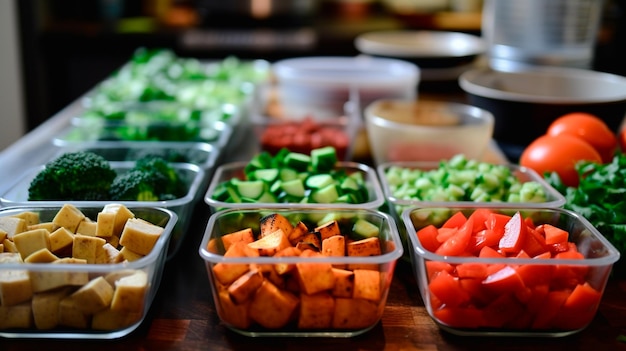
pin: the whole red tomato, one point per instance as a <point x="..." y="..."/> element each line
<point x="558" y="153"/>
<point x="590" y="128"/>
<point x="622" y="140"/>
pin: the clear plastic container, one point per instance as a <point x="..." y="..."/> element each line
<point x="349" y="316"/>
<point x="120" y="323"/>
<point x="532" y="308"/>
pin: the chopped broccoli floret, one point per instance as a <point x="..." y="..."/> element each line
<point x="137" y="185"/>
<point x="157" y="164"/>
<point x="79" y="176"/>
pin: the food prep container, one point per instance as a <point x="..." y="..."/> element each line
<point x="192" y="175"/>
<point x="323" y="309"/>
<point x="27" y="313"/>
<point x="236" y="170"/>
<point x="523" y="295"/>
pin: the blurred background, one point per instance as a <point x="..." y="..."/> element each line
<point x="56" y="50"/>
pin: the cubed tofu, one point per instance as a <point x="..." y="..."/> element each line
<point x="32" y="240"/>
<point x="129" y="255"/>
<point x="86" y="247"/>
<point x="87" y="227"/>
<point x="30" y="217"/>
<point x="41" y="256"/>
<point x="140" y="236"/>
<point x="70" y="315"/>
<point x="15" y="285"/>
<point x="122" y="214"/>
<point x="45" y="307"/>
<point x="109" y="254"/>
<point x="109" y="319"/>
<point x="130" y="293"/>
<point x="9" y="246"/>
<point x="16" y="316"/>
<point x="315" y="277"/>
<point x="61" y="241"/>
<point x="69" y="216"/>
<point x="316" y="311"/>
<point x="272" y="307"/>
<point x="12" y="225"/>
<point x="271" y="243"/>
<point x="49" y="226"/>
<point x="3" y="235"/>
<point x="105" y="224"/>
<point x="94" y="296"/>
<point x="47" y="280"/>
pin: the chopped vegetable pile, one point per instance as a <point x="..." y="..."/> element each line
<point x="601" y="198"/>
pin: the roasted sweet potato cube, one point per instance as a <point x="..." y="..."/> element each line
<point x="344" y="283"/>
<point x="272" y="307"/>
<point x="271" y="243"/>
<point x="334" y="246"/>
<point x="367" y="284"/>
<point x="282" y="268"/>
<point x="245" y="235"/>
<point x="364" y="248"/>
<point x="299" y="231"/>
<point x="273" y="222"/>
<point x="328" y="229"/>
<point x="315" y="276"/>
<point x="245" y="286"/>
<point x="227" y="273"/>
<point x="310" y="241"/>
<point x="316" y="311"/>
<point x="354" y="313"/>
<point x="232" y="313"/>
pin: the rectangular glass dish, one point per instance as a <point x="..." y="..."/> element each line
<point x="330" y="298"/>
<point x="543" y="288"/>
<point x="192" y="175"/>
<point x="31" y="290"/>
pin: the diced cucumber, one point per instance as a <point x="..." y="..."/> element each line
<point x="325" y="195"/>
<point x="323" y="159"/>
<point x="267" y="175"/>
<point x="298" y="161"/>
<point x="293" y="187"/>
<point x="286" y="174"/>
<point x="250" y="188"/>
<point x="365" y="229"/>
<point x="318" y="181"/>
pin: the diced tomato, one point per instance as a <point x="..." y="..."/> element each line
<point x="505" y="280"/>
<point x="533" y="275"/>
<point x="549" y="309"/>
<point x="434" y="267"/>
<point x="471" y="270"/>
<point x="539" y="293"/>
<point x="496" y="222"/>
<point x="459" y="317"/>
<point x="447" y="289"/>
<point x="480" y="218"/>
<point x="444" y="234"/>
<point x="455" y="221"/>
<point x="457" y="244"/>
<point x="428" y="237"/>
<point x="554" y="235"/>
<point x="514" y="234"/>
<point x="579" y="308"/>
<point x="486" y="237"/>
<point x="534" y="244"/>
<point x="488" y="252"/>
<point x="529" y="222"/>
<point x="504" y="309"/>
<point x="477" y="292"/>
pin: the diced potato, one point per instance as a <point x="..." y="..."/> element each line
<point x="316" y="311"/>
<point x="94" y="296"/>
<point x="367" y="284"/>
<point x="315" y="276"/>
<point x="61" y="241"/>
<point x="32" y="240"/>
<point x="328" y="229"/>
<point x="226" y="273"/>
<point x="299" y="231"/>
<point x="140" y="236"/>
<point x="130" y="293"/>
<point x="363" y="248"/>
<point x="45" y="307"/>
<point x="344" y="283"/>
<point x="87" y="227"/>
<point x="129" y="255"/>
<point x="354" y="313"/>
<point x="109" y="319"/>
<point x="273" y="222"/>
<point x="114" y="276"/>
<point x="16" y="316"/>
<point x="30" y="217"/>
<point x="13" y="225"/>
<point x="15" y="285"/>
<point x="245" y="286"/>
<point x="86" y="247"/>
<point x="48" y="280"/>
<point x="70" y="315"/>
<point x="69" y="217"/>
<point x="271" y="243"/>
<point x="41" y="256"/>
<point x="272" y="307"/>
<point x="122" y="214"/>
<point x="109" y="254"/>
<point x="49" y="226"/>
<point x="105" y="224"/>
<point x="231" y="313"/>
<point x="245" y="235"/>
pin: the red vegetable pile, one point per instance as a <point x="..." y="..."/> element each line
<point x="511" y="296"/>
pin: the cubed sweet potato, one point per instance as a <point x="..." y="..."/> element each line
<point x="328" y="229"/>
<point x="344" y="283"/>
<point x="227" y="273"/>
<point x="271" y="243"/>
<point x="282" y="268"/>
<point x="316" y="311"/>
<point x="272" y="307"/>
<point x="231" y="313"/>
<point x="273" y="222"/>
<point x="364" y="248"/>
<point x="299" y="231"/>
<point x="367" y="284"/>
<point x="245" y="286"/>
<point x="354" y="313"/>
<point x="245" y="235"/>
<point x="315" y="276"/>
